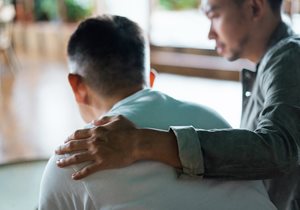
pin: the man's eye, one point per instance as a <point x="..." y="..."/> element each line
<point x="211" y="15"/>
<point x="215" y="16"/>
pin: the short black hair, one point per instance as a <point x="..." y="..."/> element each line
<point x="274" y="4"/>
<point x="110" y="51"/>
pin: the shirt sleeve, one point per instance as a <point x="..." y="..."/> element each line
<point x="189" y="147"/>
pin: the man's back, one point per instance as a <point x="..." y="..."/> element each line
<point x="147" y="184"/>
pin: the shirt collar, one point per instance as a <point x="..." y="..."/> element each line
<point x="282" y="31"/>
<point x="130" y="98"/>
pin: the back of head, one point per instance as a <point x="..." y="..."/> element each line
<point x="109" y="53"/>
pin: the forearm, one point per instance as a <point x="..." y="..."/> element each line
<point x="157" y="145"/>
<point x="235" y="153"/>
<point x="242" y="154"/>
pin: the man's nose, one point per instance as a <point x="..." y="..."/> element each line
<point x="212" y="34"/>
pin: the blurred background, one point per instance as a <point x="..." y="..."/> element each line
<point x="37" y="109"/>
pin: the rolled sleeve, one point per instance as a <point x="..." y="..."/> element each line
<point x="189" y="148"/>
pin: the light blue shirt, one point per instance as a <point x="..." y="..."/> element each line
<point x="147" y="184"/>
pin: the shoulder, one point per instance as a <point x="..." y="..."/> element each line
<point x="56" y="187"/>
<point x="190" y="113"/>
<point x="196" y="114"/>
<point x="54" y="184"/>
<point x="52" y="170"/>
<point x="152" y="105"/>
<point x="206" y="116"/>
<point x="281" y="64"/>
<point x="285" y="44"/>
<point x="287" y="49"/>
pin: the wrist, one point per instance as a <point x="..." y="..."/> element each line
<point x="157" y="145"/>
<point x="140" y="150"/>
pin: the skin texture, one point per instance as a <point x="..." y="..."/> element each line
<point x="240" y="31"/>
<point x="98" y="147"/>
<point x="229" y="41"/>
<point x="106" y="149"/>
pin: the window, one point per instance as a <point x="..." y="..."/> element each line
<point x="181" y="27"/>
<point x="291" y="13"/>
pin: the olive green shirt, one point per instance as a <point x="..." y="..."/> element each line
<point x="268" y="144"/>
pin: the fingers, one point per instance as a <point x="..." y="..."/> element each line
<point x="102" y="145"/>
<point x="103" y="120"/>
<point x="72" y="146"/>
<point x="79" y="158"/>
<point x="111" y="120"/>
<point x="86" y="171"/>
<point x="74" y="159"/>
<point x="79" y="134"/>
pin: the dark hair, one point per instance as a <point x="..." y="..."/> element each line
<point x="274" y="4"/>
<point x="110" y="53"/>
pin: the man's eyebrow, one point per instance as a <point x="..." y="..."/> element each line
<point x="208" y="9"/>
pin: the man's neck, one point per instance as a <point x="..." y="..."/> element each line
<point x="104" y="104"/>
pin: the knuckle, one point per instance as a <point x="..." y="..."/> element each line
<point x="120" y="117"/>
<point x="98" y="162"/>
<point x="98" y="130"/>
<point x="105" y="118"/>
<point x="92" y="143"/>
<point x="71" y="145"/>
<point x="95" y="151"/>
<point x="75" y="157"/>
<point x="77" y="133"/>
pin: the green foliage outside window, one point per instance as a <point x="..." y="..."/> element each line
<point x="179" y="4"/>
<point x="67" y="10"/>
<point x="45" y="10"/>
<point x="78" y="9"/>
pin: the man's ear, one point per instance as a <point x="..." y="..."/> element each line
<point x="152" y="75"/>
<point x="79" y="88"/>
<point x="258" y="8"/>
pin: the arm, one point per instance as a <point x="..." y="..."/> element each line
<point x="272" y="147"/>
<point x="243" y="160"/>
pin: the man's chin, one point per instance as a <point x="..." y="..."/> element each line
<point x="231" y="57"/>
<point x="226" y="55"/>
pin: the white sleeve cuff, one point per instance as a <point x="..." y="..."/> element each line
<point x="189" y="148"/>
